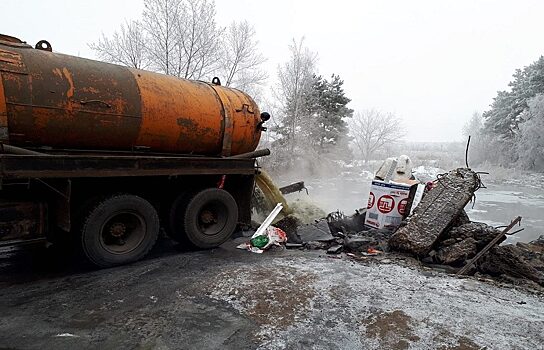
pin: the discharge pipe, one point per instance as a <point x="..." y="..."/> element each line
<point x="254" y="154"/>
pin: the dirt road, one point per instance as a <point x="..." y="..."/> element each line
<point x="232" y="299"/>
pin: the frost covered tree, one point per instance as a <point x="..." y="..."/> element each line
<point x="198" y="47"/>
<point x="183" y="37"/>
<point x="506" y="113"/>
<point x="530" y="142"/>
<point x="295" y="77"/>
<point x="159" y="22"/>
<point x="326" y="105"/>
<point x="241" y="60"/>
<point x="313" y="127"/>
<point x="125" y="46"/>
<point x="509" y="112"/>
<point x="473" y="127"/>
<point x="481" y="144"/>
<point x="174" y="37"/>
<point x="373" y="129"/>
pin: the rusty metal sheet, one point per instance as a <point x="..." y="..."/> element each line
<point x="227" y="126"/>
<point x="241" y="133"/>
<point x="11" y="61"/>
<point x="178" y="115"/>
<point x="75" y="102"/>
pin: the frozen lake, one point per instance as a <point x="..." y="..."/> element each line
<point x="499" y="204"/>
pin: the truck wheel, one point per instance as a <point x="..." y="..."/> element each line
<point x="118" y="230"/>
<point x="210" y="218"/>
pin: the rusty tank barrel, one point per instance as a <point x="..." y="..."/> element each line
<point x="60" y="101"/>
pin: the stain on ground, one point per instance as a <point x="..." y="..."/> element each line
<point x="454" y="343"/>
<point x="272" y="298"/>
<point x="392" y="328"/>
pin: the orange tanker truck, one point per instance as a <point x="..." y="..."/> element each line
<point x="107" y="155"/>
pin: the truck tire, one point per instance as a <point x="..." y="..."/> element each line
<point x="118" y="230"/>
<point x="210" y="218"/>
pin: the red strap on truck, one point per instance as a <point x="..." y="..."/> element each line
<point x="221" y="182"/>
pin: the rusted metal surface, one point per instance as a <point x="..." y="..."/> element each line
<point x="61" y="101"/>
<point x="10" y="39"/>
<point x="228" y="123"/>
<point x="77" y="166"/>
<point x="180" y="115"/>
<point x="246" y="120"/>
<point x="21" y="220"/>
<point x="53" y="104"/>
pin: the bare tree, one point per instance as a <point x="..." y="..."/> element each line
<point x="241" y="59"/>
<point x="181" y="38"/>
<point x="125" y="47"/>
<point x="295" y="79"/>
<point x="372" y="130"/>
<point x="160" y="22"/>
<point x="199" y="39"/>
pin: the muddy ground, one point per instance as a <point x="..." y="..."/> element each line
<point x="232" y="299"/>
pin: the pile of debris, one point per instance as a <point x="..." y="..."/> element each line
<point x="438" y="232"/>
<point x="432" y="226"/>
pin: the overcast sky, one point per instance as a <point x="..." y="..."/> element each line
<point x="431" y="62"/>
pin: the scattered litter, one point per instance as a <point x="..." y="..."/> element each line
<point x="258" y="244"/>
<point x="404" y="215"/>
<point x="356" y="243"/>
<point x="395" y="169"/>
<point x="318" y="231"/>
<point x="341" y="224"/>
<point x="372" y="252"/>
<point x="394" y="193"/>
<point x="390" y="202"/>
<point x="293" y="245"/>
<point x="335" y="249"/>
<point x="357" y="257"/>
<point x="260" y="231"/>
<point x="266" y="235"/>
<point x="67" y="335"/>
<point x="315" y="245"/>
<point x="289" y="225"/>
